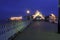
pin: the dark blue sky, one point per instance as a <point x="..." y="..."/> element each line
<point x="10" y="8"/>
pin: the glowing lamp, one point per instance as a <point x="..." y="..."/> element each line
<point x="28" y="11"/>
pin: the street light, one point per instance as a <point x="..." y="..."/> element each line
<point x="28" y="11"/>
<point x="28" y="14"/>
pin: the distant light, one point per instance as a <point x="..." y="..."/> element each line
<point x="16" y="18"/>
<point x="52" y="17"/>
<point x="21" y="17"/>
<point x="52" y="14"/>
<point x="28" y="11"/>
<point x="37" y="13"/>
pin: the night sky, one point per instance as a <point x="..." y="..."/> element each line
<point x="10" y="8"/>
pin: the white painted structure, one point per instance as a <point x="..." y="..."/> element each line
<point x="37" y="13"/>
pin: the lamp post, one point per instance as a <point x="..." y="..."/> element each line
<point x="28" y="14"/>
